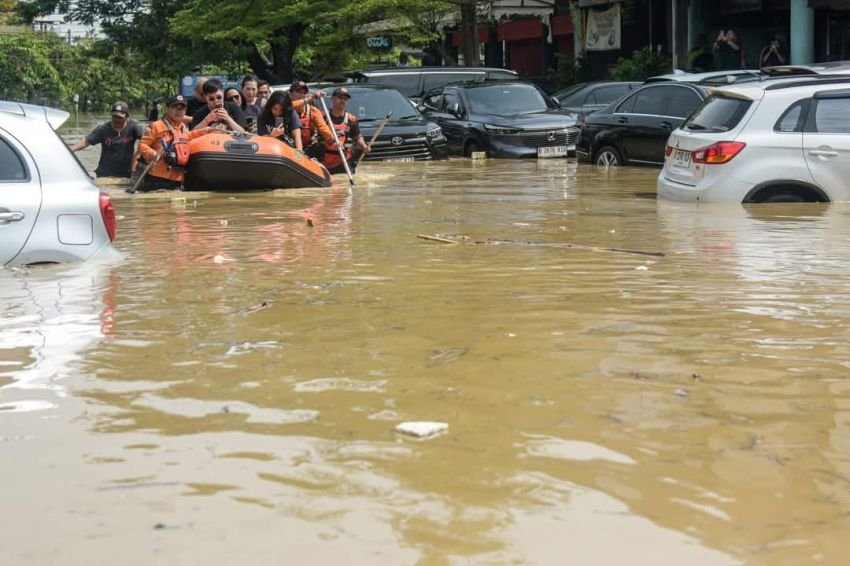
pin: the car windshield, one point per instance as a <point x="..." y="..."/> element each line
<point x="506" y="99"/>
<point x="717" y="114"/>
<point x="374" y="104"/>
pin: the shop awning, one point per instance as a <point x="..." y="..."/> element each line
<point x="589" y="3"/>
<point x="562" y="25"/>
<point x="520" y="29"/>
<point x="483" y="36"/>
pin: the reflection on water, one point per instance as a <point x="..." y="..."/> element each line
<point x="246" y="363"/>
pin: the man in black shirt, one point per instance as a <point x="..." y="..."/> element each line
<point x="199" y="101"/>
<point x="117" y="140"/>
<point x="218" y="113"/>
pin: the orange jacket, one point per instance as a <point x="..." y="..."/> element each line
<point x="312" y="121"/>
<point x="151" y="143"/>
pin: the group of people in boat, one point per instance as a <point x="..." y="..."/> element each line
<point x="162" y="150"/>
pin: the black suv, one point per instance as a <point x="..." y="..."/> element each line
<point x="413" y="82"/>
<point x="502" y="118"/>
<point x="406" y="137"/>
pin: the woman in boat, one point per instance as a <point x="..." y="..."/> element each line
<point x="234" y="95"/>
<point x="278" y="119"/>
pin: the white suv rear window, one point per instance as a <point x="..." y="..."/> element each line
<point x="717" y="114"/>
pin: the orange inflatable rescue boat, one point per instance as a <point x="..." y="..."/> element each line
<point x="230" y="161"/>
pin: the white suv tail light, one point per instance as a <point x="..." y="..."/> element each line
<point x="718" y="153"/>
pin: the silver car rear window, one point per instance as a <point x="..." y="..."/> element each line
<point x="717" y="114"/>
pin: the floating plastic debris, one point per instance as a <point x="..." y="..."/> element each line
<point x="422" y="429"/>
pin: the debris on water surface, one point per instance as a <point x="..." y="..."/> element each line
<point x="681" y="393"/>
<point x="222" y="259"/>
<point x="255" y="308"/>
<point x="641" y="268"/>
<point x="422" y="429"/>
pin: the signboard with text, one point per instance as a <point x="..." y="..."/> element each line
<point x="379" y="43"/>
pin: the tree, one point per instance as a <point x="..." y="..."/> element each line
<point x="469" y="28"/>
<point x="27" y="72"/>
<point x="270" y="32"/>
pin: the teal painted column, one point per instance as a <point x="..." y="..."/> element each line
<point x="802" y="33"/>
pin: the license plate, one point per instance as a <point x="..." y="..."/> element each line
<point x="399" y="159"/>
<point x="554" y="151"/>
<point x="681" y="158"/>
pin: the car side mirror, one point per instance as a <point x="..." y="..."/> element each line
<point x="454" y="108"/>
<point x="556" y="102"/>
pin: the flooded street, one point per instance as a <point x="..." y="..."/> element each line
<point x="228" y="391"/>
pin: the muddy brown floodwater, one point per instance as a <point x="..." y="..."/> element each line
<point x="228" y="391"/>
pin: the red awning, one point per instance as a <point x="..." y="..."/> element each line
<point x="483" y="36"/>
<point x="520" y="29"/>
<point x="562" y="25"/>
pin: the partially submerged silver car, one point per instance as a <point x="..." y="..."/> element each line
<point x="50" y="210"/>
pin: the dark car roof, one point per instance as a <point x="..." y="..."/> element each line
<point x="353" y="86"/>
<point x="408" y="70"/>
<point x="485" y="83"/>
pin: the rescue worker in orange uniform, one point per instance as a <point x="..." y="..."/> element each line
<point x="315" y="132"/>
<point x="172" y="130"/>
<point x="347" y="130"/>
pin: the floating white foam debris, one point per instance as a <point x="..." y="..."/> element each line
<point x="641" y="268"/>
<point x="422" y="429"/>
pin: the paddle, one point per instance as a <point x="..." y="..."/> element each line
<point x="375" y="136"/>
<point x="336" y="141"/>
<point x="149" y="166"/>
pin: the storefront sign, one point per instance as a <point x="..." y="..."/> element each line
<point x="603" y="29"/>
<point x="379" y="43"/>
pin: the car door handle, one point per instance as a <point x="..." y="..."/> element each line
<point x="823" y="153"/>
<point x="6" y="217"/>
<point x="666" y="125"/>
<point x="622" y="120"/>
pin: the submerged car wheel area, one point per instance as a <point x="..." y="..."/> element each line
<point x="50" y="211"/>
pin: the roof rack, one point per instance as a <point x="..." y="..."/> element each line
<point x="808" y="80"/>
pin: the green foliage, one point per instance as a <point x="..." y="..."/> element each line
<point x="641" y="65"/>
<point x="27" y="69"/>
<point x="41" y="68"/>
<point x="568" y="71"/>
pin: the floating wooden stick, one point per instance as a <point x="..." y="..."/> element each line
<point x="436" y="239"/>
<point x="568" y="245"/>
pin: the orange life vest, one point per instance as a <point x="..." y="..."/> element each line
<point x="151" y="143"/>
<point x="332" y="158"/>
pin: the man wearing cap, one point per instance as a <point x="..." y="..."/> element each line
<point x="315" y="132"/>
<point x="117" y="140"/>
<point x="172" y="129"/>
<point x="347" y="130"/>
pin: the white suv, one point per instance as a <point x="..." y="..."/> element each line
<point x="779" y="140"/>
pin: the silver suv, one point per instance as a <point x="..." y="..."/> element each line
<point x="50" y="211"/>
<point x="779" y="140"/>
